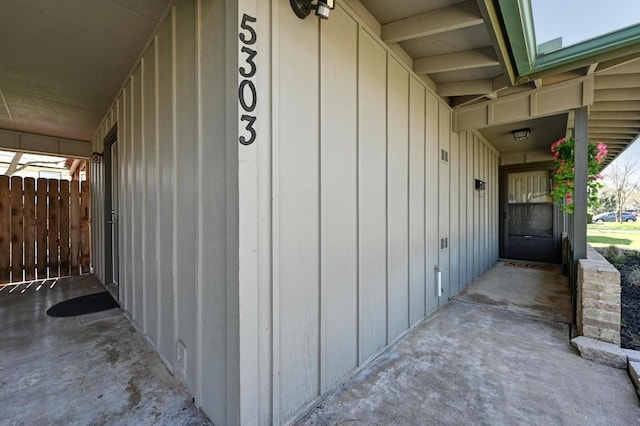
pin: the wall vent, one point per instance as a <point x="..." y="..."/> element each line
<point x="444" y="155"/>
<point x="444" y="243"/>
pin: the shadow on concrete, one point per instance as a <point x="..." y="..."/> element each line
<point x="91" y="369"/>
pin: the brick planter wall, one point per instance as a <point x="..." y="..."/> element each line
<point x="598" y="298"/>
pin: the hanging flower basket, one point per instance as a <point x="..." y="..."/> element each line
<point x="564" y="172"/>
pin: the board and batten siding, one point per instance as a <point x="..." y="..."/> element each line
<point x="344" y="201"/>
<point x="177" y="182"/>
<point x="357" y="203"/>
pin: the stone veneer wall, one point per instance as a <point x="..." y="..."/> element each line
<point x="598" y="310"/>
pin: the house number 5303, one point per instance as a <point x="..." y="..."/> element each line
<point x="247" y="94"/>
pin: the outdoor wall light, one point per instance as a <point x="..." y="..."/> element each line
<point x="521" y="134"/>
<point x="303" y="8"/>
<point x="96" y="157"/>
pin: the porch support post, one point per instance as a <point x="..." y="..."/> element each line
<point x="580" y="185"/>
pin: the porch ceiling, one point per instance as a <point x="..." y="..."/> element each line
<point x="447" y="40"/>
<point x="615" y="115"/>
<point x="544" y="132"/>
<point x="453" y="43"/>
<point x="63" y="61"/>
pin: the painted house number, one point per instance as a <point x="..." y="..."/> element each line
<point x="247" y="95"/>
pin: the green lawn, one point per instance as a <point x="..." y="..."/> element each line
<point x="615" y="226"/>
<point x="623" y="235"/>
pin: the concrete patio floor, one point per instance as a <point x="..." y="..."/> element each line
<point x="498" y="354"/>
<point x="94" y="369"/>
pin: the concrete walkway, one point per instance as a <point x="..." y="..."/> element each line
<point x="498" y="354"/>
<point x="94" y="369"/>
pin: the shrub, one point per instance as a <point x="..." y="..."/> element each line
<point x="614" y="255"/>
<point x="633" y="276"/>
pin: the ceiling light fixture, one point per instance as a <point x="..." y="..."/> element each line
<point x="521" y="134"/>
<point x="303" y="8"/>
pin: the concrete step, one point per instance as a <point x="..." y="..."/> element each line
<point x="610" y="354"/>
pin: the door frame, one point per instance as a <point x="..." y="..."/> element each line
<point x="504" y="205"/>
<point x="110" y="139"/>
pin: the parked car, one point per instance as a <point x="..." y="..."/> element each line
<point x="611" y="217"/>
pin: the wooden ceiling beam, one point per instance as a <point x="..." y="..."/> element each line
<point x="616" y="106"/>
<point x="613" y="115"/>
<point x="438" y="21"/>
<point x="611" y="136"/>
<point x="628" y="64"/>
<point x="622" y="130"/>
<point x="476" y="58"/>
<point x="624" y="94"/>
<point x="614" y="123"/>
<point x="464" y="88"/>
<point x="620" y="81"/>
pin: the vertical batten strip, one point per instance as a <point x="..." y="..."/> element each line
<point x="137" y="198"/>
<point x="199" y="211"/>
<point x="123" y="252"/>
<point x="166" y="190"/>
<point x="359" y="222"/>
<point x="174" y="183"/>
<point x="357" y="165"/>
<point x="185" y="163"/>
<point x="156" y="85"/>
<point x="470" y="228"/>
<point x="409" y="203"/>
<point x="425" y="142"/>
<point x="149" y="191"/>
<point x="322" y="337"/>
<point x="131" y="211"/>
<point x="454" y="200"/>
<point x="386" y="197"/>
<point x="275" y="215"/>
<point x="141" y="186"/>
<point x="265" y="206"/>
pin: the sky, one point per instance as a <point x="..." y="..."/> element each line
<point x="579" y="20"/>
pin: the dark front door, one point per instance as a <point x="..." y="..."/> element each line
<point x="111" y="173"/>
<point x="530" y="229"/>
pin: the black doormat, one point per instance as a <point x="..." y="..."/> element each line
<point x="83" y="305"/>
<point x="530" y="266"/>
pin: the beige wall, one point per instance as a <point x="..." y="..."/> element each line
<point x="356" y="201"/>
<point x="178" y="246"/>
<point x="285" y="265"/>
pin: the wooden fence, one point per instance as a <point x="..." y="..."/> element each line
<point x="44" y="228"/>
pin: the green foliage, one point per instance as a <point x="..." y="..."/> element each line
<point x="606" y="203"/>
<point x="564" y="172"/>
<point x="614" y="255"/>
